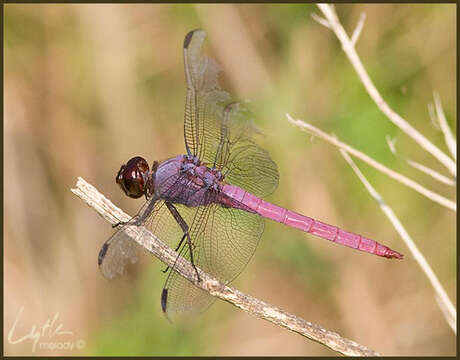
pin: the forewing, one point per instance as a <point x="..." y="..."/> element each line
<point x="122" y="249"/>
<point x="203" y="109"/>
<point x="224" y="240"/>
<point x="219" y="130"/>
<point x="116" y="253"/>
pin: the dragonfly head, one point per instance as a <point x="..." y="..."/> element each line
<point x="134" y="178"/>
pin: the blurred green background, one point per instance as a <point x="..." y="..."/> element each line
<point x="89" y="86"/>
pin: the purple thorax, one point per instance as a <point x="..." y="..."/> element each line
<point x="184" y="180"/>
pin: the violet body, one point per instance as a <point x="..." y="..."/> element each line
<point x="207" y="204"/>
<point x="233" y="195"/>
<point x="183" y="180"/>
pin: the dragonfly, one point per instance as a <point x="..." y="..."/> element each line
<point x="208" y="203"/>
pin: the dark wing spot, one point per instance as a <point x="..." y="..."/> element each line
<point x="102" y="253"/>
<point x="164" y="298"/>
<point x="188" y="38"/>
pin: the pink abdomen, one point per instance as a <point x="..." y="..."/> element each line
<point x="236" y="197"/>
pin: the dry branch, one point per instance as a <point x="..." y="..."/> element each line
<point x="153" y="245"/>
<point x="332" y="22"/>
<point x="424" y="169"/>
<point x="393" y="174"/>
<point x="448" y="309"/>
<point x="448" y="136"/>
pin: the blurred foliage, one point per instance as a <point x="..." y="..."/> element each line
<point x="88" y="86"/>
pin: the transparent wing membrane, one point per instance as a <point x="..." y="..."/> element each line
<point x="219" y="130"/>
<point x="220" y="133"/>
<point x="224" y="240"/>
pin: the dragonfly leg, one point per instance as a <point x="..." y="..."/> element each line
<point x="186" y="235"/>
<point x="135" y="220"/>
<point x="189" y="242"/>
<point x="139" y="218"/>
<point x="177" y="249"/>
<point x="120" y="223"/>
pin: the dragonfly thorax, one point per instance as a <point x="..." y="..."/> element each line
<point x="185" y="180"/>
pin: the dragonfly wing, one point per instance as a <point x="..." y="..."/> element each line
<point x="154" y="216"/>
<point x="116" y="253"/>
<point x="246" y="164"/>
<point x="181" y="299"/>
<point x="219" y="130"/>
<point x="224" y="240"/>
<point x="252" y="169"/>
<point x="121" y="249"/>
<point x="203" y="100"/>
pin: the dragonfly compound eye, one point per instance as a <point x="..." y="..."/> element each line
<point x="132" y="177"/>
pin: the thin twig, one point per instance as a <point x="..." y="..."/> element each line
<point x="432" y="116"/>
<point x="358" y="29"/>
<point x="320" y="20"/>
<point x="347" y="45"/>
<point x="433" y="173"/>
<point x="401" y="178"/>
<point x="149" y="242"/>
<point x="447" y="306"/>
<point x="425" y="169"/>
<point x="448" y="136"/>
<point x="452" y="321"/>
